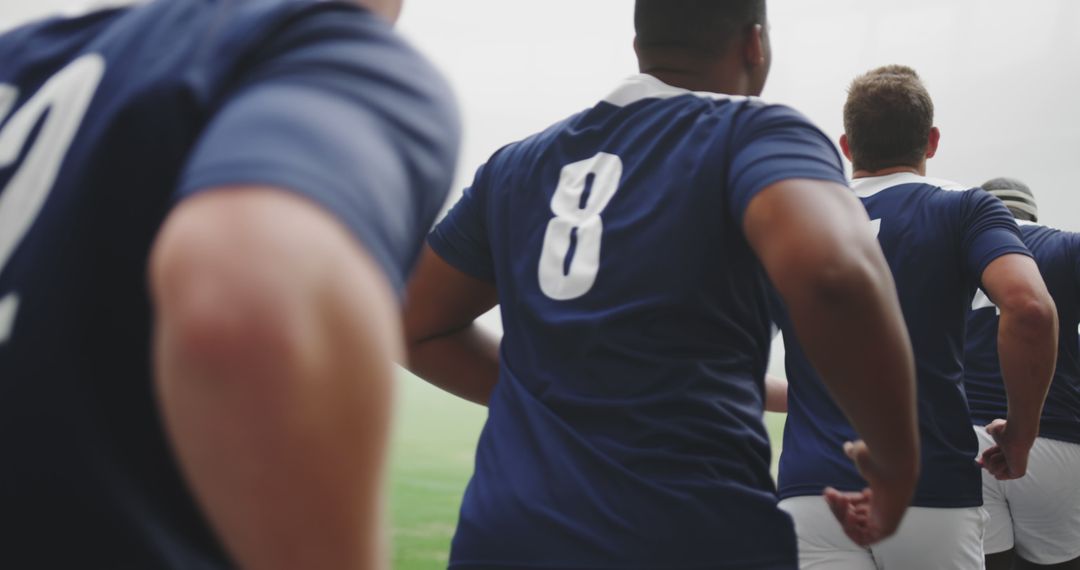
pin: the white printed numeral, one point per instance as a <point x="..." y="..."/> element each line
<point x="566" y="274"/>
<point x="65" y="97"/>
<point x="875" y="226"/>
<point x="982" y="301"/>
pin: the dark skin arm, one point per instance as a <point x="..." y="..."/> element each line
<point x="814" y="240"/>
<point x="445" y="346"/>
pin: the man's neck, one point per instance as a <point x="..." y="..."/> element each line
<point x="692" y="81"/>
<point x="920" y="170"/>
<point x="696" y="72"/>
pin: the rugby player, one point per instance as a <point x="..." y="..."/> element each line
<point x="942" y="242"/>
<point x="240" y="188"/>
<point x="1035" y="520"/>
<point x="630" y="247"/>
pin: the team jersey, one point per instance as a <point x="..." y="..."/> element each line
<point x="1058" y="256"/>
<point x="625" y="429"/>
<point x="108" y="120"/>
<point x="937" y="238"/>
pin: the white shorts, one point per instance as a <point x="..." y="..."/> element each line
<point x="928" y="539"/>
<point x="1039" y="513"/>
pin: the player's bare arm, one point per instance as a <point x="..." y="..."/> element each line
<point x="815" y="242"/>
<point x="389" y="9"/>
<point x="445" y="346"/>
<point x="776" y="394"/>
<point x="1027" y="345"/>
<point x="275" y="335"/>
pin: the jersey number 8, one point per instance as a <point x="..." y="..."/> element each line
<point x="65" y="97"/>
<point x="570" y="256"/>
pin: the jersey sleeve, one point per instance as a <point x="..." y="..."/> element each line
<point x="339" y="110"/>
<point x="989" y="231"/>
<point x="774" y="143"/>
<point x="461" y="238"/>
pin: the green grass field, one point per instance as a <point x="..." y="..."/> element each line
<point x="431" y="463"/>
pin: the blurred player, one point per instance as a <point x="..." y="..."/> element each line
<point x="272" y="165"/>
<point x="941" y="245"/>
<point x="1038" y="515"/>
<point x="629" y="247"/>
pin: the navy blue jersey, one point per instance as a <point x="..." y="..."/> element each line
<point x="625" y="429"/>
<point x="106" y="121"/>
<point x="1058" y="256"/>
<point x="937" y="238"/>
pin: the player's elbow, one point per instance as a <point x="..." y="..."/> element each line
<point x="258" y="283"/>
<point x="839" y="277"/>
<point x="212" y="308"/>
<point x="232" y="288"/>
<point x="841" y="282"/>
<point x="1032" y="312"/>
<point x="210" y="324"/>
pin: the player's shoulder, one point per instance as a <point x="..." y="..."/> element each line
<point x="756" y="121"/>
<point x="179" y="16"/>
<point x="267" y="18"/>
<point x="757" y="111"/>
<point x="327" y="29"/>
<point x="218" y="33"/>
<point x="1045" y="229"/>
<point x="337" y="46"/>
<point x="516" y="161"/>
<point x="1036" y="233"/>
<point x="1036" y="229"/>
<point x="932" y="204"/>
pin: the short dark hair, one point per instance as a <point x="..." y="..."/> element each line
<point x="699" y="25"/>
<point x="887" y="118"/>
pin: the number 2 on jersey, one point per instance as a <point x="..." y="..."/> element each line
<point x="570" y="256"/>
<point x="65" y="97"/>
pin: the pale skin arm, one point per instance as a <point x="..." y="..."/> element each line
<point x="1027" y="348"/>
<point x="389" y="9"/>
<point x="445" y="346"/>
<point x="814" y="240"/>
<point x="274" y="339"/>
<point x="776" y="394"/>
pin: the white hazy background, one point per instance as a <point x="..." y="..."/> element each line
<point x="1004" y="75"/>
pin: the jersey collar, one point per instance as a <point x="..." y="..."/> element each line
<point x="644" y="86"/>
<point x="866" y="187"/>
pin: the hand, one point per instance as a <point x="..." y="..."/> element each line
<point x="1008" y="458"/>
<point x="873" y="514"/>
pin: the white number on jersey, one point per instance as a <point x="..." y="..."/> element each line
<point x="570" y="257"/>
<point x="875" y="225"/>
<point x="65" y="97"/>
<point x="982" y="301"/>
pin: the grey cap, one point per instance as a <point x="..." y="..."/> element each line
<point x="1016" y="195"/>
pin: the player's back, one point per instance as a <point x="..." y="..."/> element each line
<point x="937" y="238"/>
<point x="1058" y="256"/>
<point x="99" y="117"/>
<point x="626" y="423"/>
